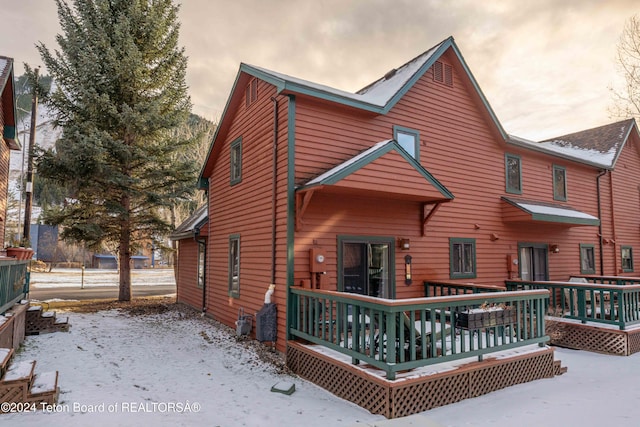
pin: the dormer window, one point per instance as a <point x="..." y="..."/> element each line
<point x="251" y="92"/>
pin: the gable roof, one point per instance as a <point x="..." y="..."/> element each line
<point x="418" y="185"/>
<point x="191" y="226"/>
<point x="378" y="97"/>
<point x="600" y="146"/>
<point x="7" y="95"/>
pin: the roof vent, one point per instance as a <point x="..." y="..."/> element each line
<point x="390" y="74"/>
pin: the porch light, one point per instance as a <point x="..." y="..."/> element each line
<point x="554" y="248"/>
<point x="407" y="270"/>
<point x="405" y="244"/>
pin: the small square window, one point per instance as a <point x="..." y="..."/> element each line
<point x="409" y="139"/>
<point x="626" y="253"/>
<point x="513" y="170"/>
<point x="462" y="258"/>
<point x="559" y="183"/>
<point x="236" y="161"/>
<point x="587" y="259"/>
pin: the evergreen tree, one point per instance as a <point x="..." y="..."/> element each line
<point x="120" y="91"/>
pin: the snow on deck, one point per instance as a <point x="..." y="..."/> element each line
<point x="45" y="382"/>
<point x="19" y="371"/>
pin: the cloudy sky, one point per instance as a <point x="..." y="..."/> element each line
<point x="545" y="66"/>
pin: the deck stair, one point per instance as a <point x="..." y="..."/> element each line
<point x="42" y="322"/>
<point x="21" y="385"/>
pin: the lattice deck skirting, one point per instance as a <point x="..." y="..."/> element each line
<point x="593" y="338"/>
<point x="404" y="397"/>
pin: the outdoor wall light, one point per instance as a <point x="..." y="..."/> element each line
<point x="554" y="248"/>
<point x="407" y="270"/>
<point x="405" y="244"/>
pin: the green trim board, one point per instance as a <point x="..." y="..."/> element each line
<point x="548" y="212"/>
<point x="364" y="158"/>
<point x="291" y="206"/>
<point x="453" y="241"/>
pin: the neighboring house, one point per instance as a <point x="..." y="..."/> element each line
<point x="412" y="174"/>
<point x="8" y="118"/>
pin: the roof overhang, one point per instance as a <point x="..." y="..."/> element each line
<point x="386" y="171"/>
<point x="527" y="211"/>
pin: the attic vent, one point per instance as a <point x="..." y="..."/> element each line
<point x="251" y="93"/>
<point x="390" y="74"/>
<point x="443" y="73"/>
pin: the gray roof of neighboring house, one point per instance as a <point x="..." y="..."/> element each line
<point x="600" y="146"/>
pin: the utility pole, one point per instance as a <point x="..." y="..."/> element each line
<point x="26" y="235"/>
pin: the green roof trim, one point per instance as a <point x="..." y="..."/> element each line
<point x="361" y="160"/>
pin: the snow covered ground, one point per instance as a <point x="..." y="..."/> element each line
<point x="178" y="369"/>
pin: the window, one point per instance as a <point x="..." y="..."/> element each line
<point x="462" y="258"/>
<point x="251" y="92"/>
<point x="409" y="139"/>
<point x="443" y="73"/>
<point x="236" y="161"/>
<point x="513" y="173"/>
<point x="627" y="259"/>
<point x="587" y="259"/>
<point x="365" y="266"/>
<point x="202" y="257"/>
<point x="234" y="265"/>
<point x="559" y="183"/>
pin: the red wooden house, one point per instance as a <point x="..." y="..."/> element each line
<point x="410" y="179"/>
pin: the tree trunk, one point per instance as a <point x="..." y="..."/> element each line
<point x="124" y="253"/>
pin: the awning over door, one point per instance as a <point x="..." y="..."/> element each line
<point x="528" y="211"/>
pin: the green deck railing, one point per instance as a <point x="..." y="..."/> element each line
<point x="434" y="288"/>
<point x="396" y="335"/>
<point x="609" y="280"/>
<point x="14" y="284"/>
<point x="617" y="305"/>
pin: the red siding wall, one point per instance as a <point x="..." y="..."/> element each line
<point x="246" y="209"/>
<point x="188" y="291"/>
<point x="624" y="183"/>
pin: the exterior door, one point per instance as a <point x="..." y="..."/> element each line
<point x="533" y="262"/>
<point x="366" y="267"/>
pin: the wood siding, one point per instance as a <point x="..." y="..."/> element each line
<point x="187" y="288"/>
<point x="245" y="209"/>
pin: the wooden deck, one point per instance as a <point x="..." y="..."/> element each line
<point x="591" y="337"/>
<point x="417" y="391"/>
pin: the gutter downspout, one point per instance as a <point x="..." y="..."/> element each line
<point x="274" y="200"/>
<point x="613" y="226"/>
<point x="601" y="174"/>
